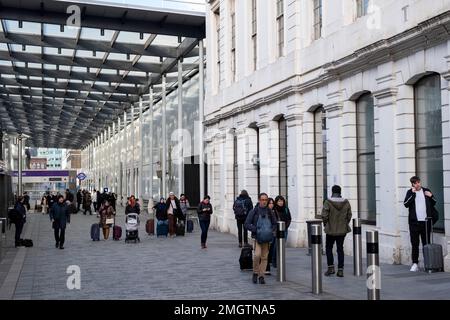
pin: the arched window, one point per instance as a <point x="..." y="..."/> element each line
<point x="320" y="159"/>
<point x="428" y="137"/>
<point x="366" y="158"/>
<point x="282" y="139"/>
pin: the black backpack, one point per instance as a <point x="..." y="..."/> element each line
<point x="14" y="216"/>
<point x="240" y="211"/>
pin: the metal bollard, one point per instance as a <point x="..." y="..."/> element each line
<point x="309" y="224"/>
<point x="316" y="258"/>
<point x="373" y="266"/>
<point x="357" y="248"/>
<point x="281" y="251"/>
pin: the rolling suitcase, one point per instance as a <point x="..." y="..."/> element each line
<point x="433" y="258"/>
<point x="117" y="233"/>
<point x="95" y="232"/>
<point x="180" y="229"/>
<point x="162" y="230"/>
<point x="150" y="226"/>
<point x="246" y="259"/>
<point x="190" y="226"/>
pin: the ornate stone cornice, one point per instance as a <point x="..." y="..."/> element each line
<point x="425" y="35"/>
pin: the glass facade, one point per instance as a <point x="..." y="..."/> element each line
<point x="320" y="159"/>
<point x="366" y="158"/>
<point x="428" y="128"/>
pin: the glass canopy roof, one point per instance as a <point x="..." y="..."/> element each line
<point x="75" y="81"/>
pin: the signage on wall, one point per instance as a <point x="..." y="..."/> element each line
<point x="81" y="176"/>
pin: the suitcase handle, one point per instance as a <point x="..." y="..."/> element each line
<point x="428" y="219"/>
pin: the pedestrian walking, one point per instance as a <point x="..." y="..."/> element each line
<point x="94" y="199"/>
<point x="184" y="205"/>
<point x="173" y="212"/>
<point x="241" y="207"/>
<point x="271" y="206"/>
<point x="421" y="204"/>
<point x="87" y="203"/>
<point x="60" y="217"/>
<point x="262" y="223"/>
<point x="132" y="206"/>
<point x="282" y="213"/>
<point x="79" y="199"/>
<point x="106" y="218"/>
<point x="161" y="212"/>
<point x="336" y="216"/>
<point x="44" y="203"/>
<point x="204" y="211"/>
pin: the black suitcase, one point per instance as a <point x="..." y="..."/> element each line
<point x="180" y="229"/>
<point x="433" y="258"/>
<point x="190" y="226"/>
<point x="246" y="258"/>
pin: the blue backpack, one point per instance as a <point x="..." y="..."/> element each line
<point x="264" y="229"/>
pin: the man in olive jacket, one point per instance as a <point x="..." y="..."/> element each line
<point x="336" y="216"/>
<point x="60" y="216"/>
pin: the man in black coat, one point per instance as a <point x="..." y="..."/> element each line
<point x="79" y="199"/>
<point x="420" y="203"/>
<point x="60" y="216"/>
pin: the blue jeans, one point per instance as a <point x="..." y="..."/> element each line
<point x="273" y="250"/>
<point x="161" y="222"/>
<point x="204" y="225"/>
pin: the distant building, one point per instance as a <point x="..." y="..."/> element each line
<point x="72" y="159"/>
<point x="38" y="163"/>
<point x="53" y="156"/>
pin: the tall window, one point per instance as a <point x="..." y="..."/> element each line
<point x="317" y="19"/>
<point x="428" y="133"/>
<point x="280" y="27"/>
<point x="366" y="158"/>
<point x="361" y="7"/>
<point x="254" y="30"/>
<point x="283" y="179"/>
<point x="217" y="20"/>
<point x="233" y="40"/>
<point x="320" y="159"/>
<point x="235" y="167"/>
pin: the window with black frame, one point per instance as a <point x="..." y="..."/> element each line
<point x="366" y="158"/>
<point x="320" y="159"/>
<point x="428" y="137"/>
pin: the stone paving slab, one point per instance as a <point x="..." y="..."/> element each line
<point x="165" y="268"/>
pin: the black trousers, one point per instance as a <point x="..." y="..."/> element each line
<point x="242" y="230"/>
<point x="86" y="209"/>
<point x="330" y="240"/>
<point x="19" y="228"/>
<point x="417" y="233"/>
<point x="204" y="226"/>
<point x="60" y="235"/>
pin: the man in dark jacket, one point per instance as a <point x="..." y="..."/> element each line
<point x="262" y="223"/>
<point x="79" y="199"/>
<point x="19" y="219"/>
<point x="420" y="203"/>
<point x="26" y="200"/>
<point x="336" y="216"/>
<point x="241" y="207"/>
<point x="60" y="216"/>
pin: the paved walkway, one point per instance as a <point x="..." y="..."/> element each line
<point x="160" y="268"/>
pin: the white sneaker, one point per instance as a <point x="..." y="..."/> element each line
<point x="414" y="268"/>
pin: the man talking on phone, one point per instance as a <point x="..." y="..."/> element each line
<point x="420" y="202"/>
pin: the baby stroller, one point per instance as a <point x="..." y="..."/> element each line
<point x="132" y="227"/>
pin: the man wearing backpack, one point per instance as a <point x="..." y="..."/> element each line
<point x="241" y="207"/>
<point x="262" y="223"/>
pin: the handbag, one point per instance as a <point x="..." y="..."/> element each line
<point x="109" y="221"/>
